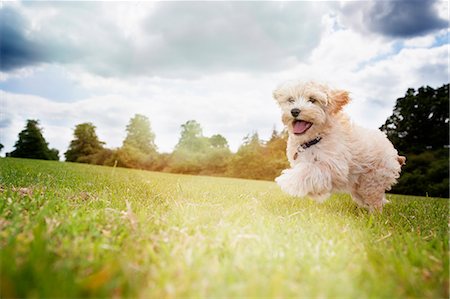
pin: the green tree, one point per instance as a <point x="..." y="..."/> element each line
<point x="138" y="149"/>
<point x="197" y="154"/>
<point x="419" y="129"/>
<point x="1" y="147"/>
<point x="32" y="144"/>
<point x="425" y="174"/>
<point x="85" y="145"/>
<point x="248" y="162"/>
<point x="140" y="135"/>
<point x="256" y="159"/>
<point x="190" y="149"/>
<point x="217" y="157"/>
<point x="218" y="141"/>
<point x="192" y="138"/>
<point x="420" y="120"/>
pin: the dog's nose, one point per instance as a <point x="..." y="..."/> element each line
<point x="295" y="112"/>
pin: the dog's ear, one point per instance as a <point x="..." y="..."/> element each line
<point x="339" y="98"/>
<point x="277" y="94"/>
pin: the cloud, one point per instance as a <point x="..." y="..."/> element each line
<point x="34" y="33"/>
<point x="16" y="49"/>
<point x="166" y="39"/>
<point x="232" y="36"/>
<point x="394" y="19"/>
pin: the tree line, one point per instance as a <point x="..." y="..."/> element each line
<point x="418" y="128"/>
<point x="193" y="154"/>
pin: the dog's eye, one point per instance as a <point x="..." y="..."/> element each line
<point x="312" y="99"/>
<point x="290" y="100"/>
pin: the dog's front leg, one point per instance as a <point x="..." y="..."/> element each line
<point x="306" y="179"/>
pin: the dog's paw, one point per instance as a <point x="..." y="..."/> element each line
<point x="289" y="182"/>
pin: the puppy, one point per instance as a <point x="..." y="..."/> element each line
<point x="327" y="153"/>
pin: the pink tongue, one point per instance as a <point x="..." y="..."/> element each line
<point x="301" y="126"/>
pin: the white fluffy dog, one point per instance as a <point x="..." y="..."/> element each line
<point x="328" y="153"/>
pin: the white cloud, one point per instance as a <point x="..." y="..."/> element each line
<point x="442" y="9"/>
<point x="170" y="39"/>
<point x="19" y="73"/>
<point x="346" y="49"/>
<point x="420" y="42"/>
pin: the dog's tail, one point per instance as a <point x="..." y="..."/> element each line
<point x="401" y="160"/>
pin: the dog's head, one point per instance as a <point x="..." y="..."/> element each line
<point x="309" y="108"/>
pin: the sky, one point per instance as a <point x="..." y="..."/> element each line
<point x="65" y="63"/>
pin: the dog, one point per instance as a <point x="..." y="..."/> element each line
<point x="328" y="153"/>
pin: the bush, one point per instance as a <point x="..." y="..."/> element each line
<point x="426" y="173"/>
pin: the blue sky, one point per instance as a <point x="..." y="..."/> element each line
<point x="65" y="63"/>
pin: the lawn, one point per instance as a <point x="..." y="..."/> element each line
<point x="72" y="230"/>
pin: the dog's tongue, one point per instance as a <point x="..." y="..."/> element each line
<point x="301" y="126"/>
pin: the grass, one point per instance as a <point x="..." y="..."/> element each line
<point x="72" y="230"/>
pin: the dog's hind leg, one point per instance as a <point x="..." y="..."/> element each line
<point x="369" y="193"/>
<point x="370" y="202"/>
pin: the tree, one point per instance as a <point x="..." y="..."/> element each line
<point x="248" y="162"/>
<point x="256" y="159"/>
<point x="275" y="154"/>
<point x="138" y="149"/>
<point x="140" y="135"/>
<point x="419" y="129"/>
<point x="32" y="144"/>
<point x="218" y="141"/>
<point x="197" y="154"/>
<point x="426" y="173"/>
<point x="189" y="151"/>
<point x="1" y="147"/>
<point x="217" y="157"/>
<point x="85" y="146"/>
<point x="420" y="120"/>
<point x="192" y="138"/>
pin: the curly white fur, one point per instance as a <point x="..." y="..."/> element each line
<point x="348" y="158"/>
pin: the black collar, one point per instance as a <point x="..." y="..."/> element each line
<point x="302" y="147"/>
<point x="308" y="144"/>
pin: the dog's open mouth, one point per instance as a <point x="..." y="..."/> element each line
<point x="301" y="126"/>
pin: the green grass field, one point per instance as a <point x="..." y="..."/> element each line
<point x="73" y="230"/>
